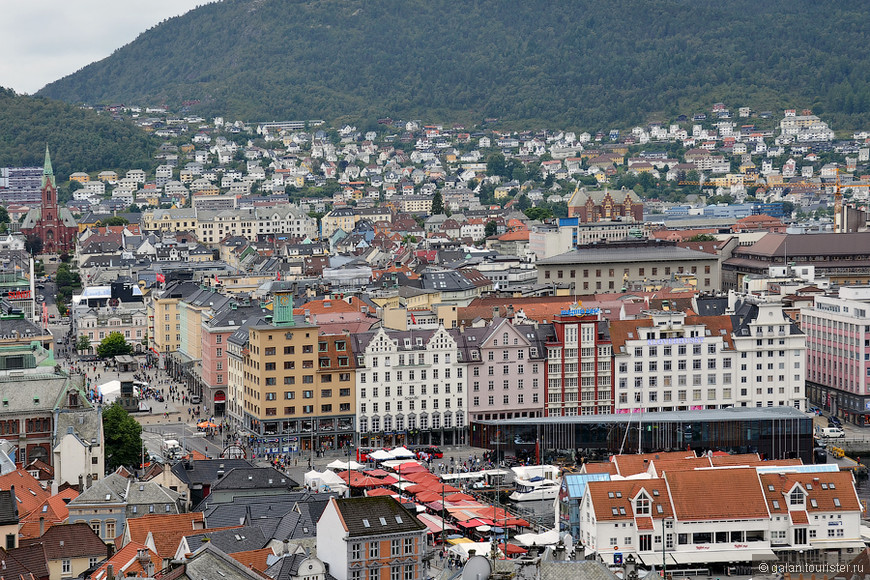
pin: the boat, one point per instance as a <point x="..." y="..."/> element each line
<point x="535" y="489"/>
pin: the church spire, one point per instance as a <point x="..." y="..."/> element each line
<point x="47" y="171"/>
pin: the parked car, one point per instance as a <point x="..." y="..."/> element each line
<point x="833" y="433"/>
<point x="834" y="422"/>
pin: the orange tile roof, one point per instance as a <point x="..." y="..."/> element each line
<point x="821" y="487"/>
<point x="514" y="236"/>
<point x="171" y="528"/>
<point x="799" y="517"/>
<point x="325" y="305"/>
<point x="125" y="562"/>
<point x="28" y="492"/>
<point x="644" y="523"/>
<point x="53" y="511"/>
<point x="670" y="464"/>
<point x="624" y="330"/>
<point x="255" y="559"/>
<point x="600" y="467"/>
<point x="736" y="459"/>
<point x="607" y="495"/>
<point x="717" y="494"/>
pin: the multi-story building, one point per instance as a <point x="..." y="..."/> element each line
<point x="579" y="374"/>
<point x="670" y="361"/>
<point x="411" y="387"/>
<point x="505" y="369"/>
<point x="98" y="323"/>
<point x="614" y="266"/>
<point x="773" y="355"/>
<point x="297" y="386"/>
<point x="193" y="311"/>
<point x="371" y="538"/>
<point x="255" y="223"/>
<point x="214" y="366"/>
<point x="673" y="362"/>
<point x="36" y="400"/>
<point x="837" y="331"/>
<point x="340" y="218"/>
<point x="723" y="515"/>
<point x="164" y="330"/>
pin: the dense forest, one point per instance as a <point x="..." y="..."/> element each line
<point x="581" y="64"/>
<point x="79" y="139"/>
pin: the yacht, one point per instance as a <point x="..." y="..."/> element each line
<point x="535" y="489"/>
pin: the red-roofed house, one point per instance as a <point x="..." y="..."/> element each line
<point x="133" y="560"/>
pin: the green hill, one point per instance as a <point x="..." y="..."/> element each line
<point x="80" y="140"/>
<point x="583" y="64"/>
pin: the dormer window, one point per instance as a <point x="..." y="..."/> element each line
<point x="642" y="505"/>
<point x="796" y="497"/>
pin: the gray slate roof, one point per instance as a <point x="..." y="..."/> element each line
<point x="375" y="516"/>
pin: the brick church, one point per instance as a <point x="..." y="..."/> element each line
<point x="607" y="205"/>
<point x="55" y="226"/>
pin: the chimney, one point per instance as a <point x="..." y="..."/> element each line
<point x="41" y="526"/>
<point x="495" y="311"/>
<point x="110" y="572"/>
<point x="286" y="546"/>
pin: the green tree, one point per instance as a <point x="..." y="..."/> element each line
<point x="83" y="343"/>
<point x="490" y="229"/>
<point x="437" y="204"/>
<point x="33" y="244"/>
<point x="523" y="202"/>
<point x="4" y="215"/>
<point x="114" y="345"/>
<point x="117" y="220"/>
<point x="538" y="213"/>
<point x="123" y="438"/>
<point x="702" y="238"/>
<point x="495" y="165"/>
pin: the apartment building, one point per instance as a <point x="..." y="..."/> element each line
<point x="371" y="538"/>
<point x="579" y="373"/>
<point x="255" y="223"/>
<point x="411" y="387"/>
<point x="837" y="331"/>
<point x="297" y="387"/>
<point x="713" y="516"/>
<point x="669" y="362"/>
<point x="505" y="366"/>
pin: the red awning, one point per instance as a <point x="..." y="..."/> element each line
<point x="220" y="397"/>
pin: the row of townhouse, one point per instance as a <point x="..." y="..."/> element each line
<point x="255" y="223"/>
<point x="278" y="377"/>
<point x="719" y="516"/>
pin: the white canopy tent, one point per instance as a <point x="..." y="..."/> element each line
<point x="402" y="453"/>
<point x="342" y="465"/>
<point x="480" y="549"/>
<point x="550" y="538"/>
<point x="110" y="391"/>
<point x="380" y="455"/>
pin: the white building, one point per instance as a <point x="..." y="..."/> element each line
<point x="674" y="362"/>
<point x="409" y="380"/>
<point x="710" y="516"/>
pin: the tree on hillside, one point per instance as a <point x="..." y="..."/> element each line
<point x="123" y="438"/>
<point x="114" y="345"/>
<point x="490" y="229"/>
<point x="437" y="204"/>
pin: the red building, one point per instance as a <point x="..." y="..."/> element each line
<point x="579" y="369"/>
<point x="55" y="226"/>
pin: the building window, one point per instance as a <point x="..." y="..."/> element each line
<point x="374" y="551"/>
<point x="66" y="567"/>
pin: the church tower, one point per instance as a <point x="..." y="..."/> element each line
<point x="49" y="190"/>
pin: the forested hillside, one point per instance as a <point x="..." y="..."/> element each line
<point x="80" y="140"/>
<point x="583" y="64"/>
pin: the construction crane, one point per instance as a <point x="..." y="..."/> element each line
<point x="838" y="193"/>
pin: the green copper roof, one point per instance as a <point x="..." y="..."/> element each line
<point x="47" y="171"/>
